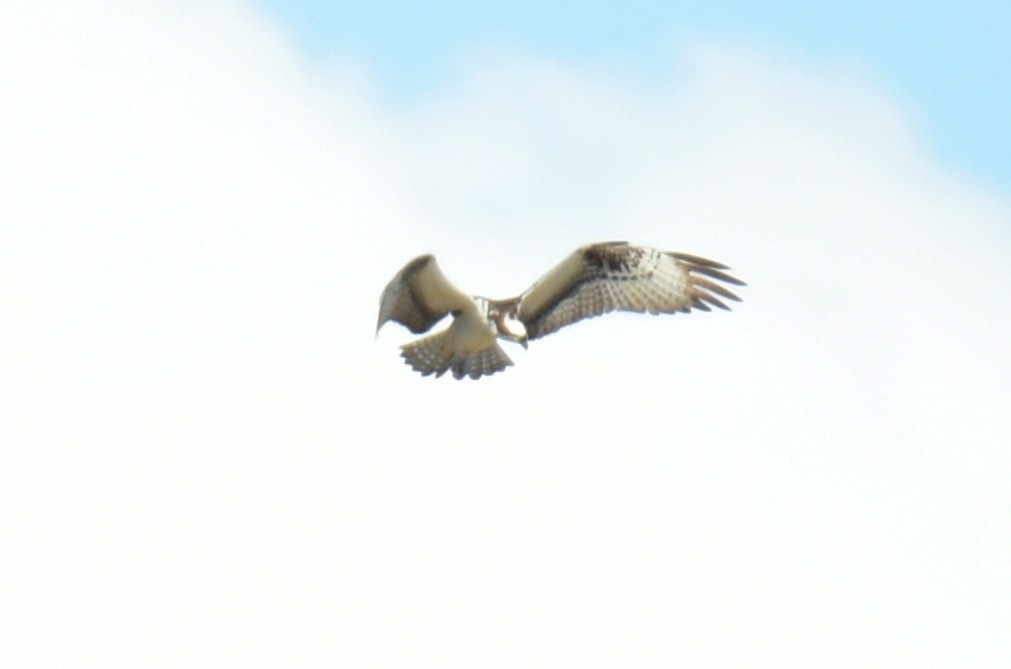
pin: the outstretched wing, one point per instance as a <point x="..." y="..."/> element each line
<point x="616" y="276"/>
<point x="419" y="296"/>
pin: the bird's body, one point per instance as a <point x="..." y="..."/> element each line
<point x="593" y="280"/>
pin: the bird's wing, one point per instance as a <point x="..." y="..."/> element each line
<point x="617" y="276"/>
<point x="420" y="295"/>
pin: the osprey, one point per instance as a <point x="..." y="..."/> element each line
<point x="593" y="280"/>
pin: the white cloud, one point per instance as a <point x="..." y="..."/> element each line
<point x="209" y="460"/>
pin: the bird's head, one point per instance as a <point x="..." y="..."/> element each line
<point x="509" y="327"/>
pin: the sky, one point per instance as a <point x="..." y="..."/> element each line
<point x="948" y="63"/>
<point x="210" y="459"/>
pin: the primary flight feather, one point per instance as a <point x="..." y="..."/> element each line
<point x="593" y="280"/>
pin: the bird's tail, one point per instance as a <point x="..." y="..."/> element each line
<point x="437" y="354"/>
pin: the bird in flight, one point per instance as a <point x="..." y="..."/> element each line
<point x="595" y="279"/>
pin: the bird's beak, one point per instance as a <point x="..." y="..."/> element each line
<point x="523" y="343"/>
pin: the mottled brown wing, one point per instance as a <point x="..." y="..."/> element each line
<point x="616" y="276"/>
<point x="419" y="296"/>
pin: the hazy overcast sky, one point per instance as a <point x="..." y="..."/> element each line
<point x="208" y="459"/>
